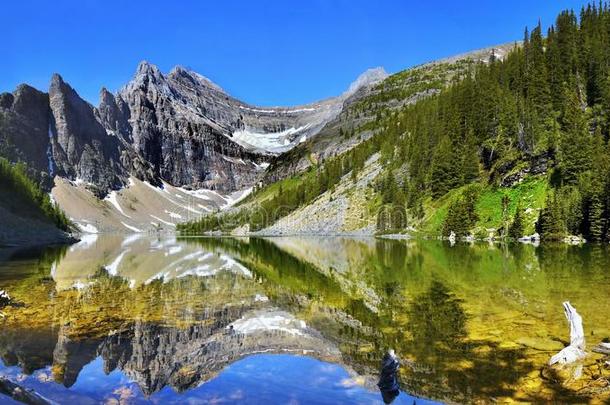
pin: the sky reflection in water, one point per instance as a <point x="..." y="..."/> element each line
<point x="257" y="379"/>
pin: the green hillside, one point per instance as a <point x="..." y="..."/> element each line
<point x="530" y="129"/>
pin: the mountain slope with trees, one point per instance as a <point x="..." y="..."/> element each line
<point x="27" y="214"/>
<point x="538" y="113"/>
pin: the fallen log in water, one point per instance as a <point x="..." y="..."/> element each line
<point x="576" y="350"/>
<point x="21" y="394"/>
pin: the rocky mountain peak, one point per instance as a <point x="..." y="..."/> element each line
<point x="179" y="72"/>
<point x="25" y="97"/>
<point x="368" y="78"/>
<point x="146" y="68"/>
<point x="58" y="87"/>
<point x="57" y="80"/>
<point x="146" y="75"/>
<point x="106" y="96"/>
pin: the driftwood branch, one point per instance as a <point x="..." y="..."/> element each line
<point x="603" y="348"/>
<point x="576" y="350"/>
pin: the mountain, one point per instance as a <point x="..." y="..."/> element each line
<point x="365" y="105"/>
<point x="177" y="129"/>
<point x="331" y="184"/>
<point x="172" y="148"/>
<point x="510" y="142"/>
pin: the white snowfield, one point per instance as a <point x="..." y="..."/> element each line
<point x="278" y="110"/>
<point x="139" y="206"/>
<point x="86" y="228"/>
<point x="274" y="142"/>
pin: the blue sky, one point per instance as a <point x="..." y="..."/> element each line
<point x="274" y="52"/>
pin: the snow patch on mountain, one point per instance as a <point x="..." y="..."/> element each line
<point x="112" y="199"/>
<point x="274" y="142"/>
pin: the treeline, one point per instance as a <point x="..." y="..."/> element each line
<point x="14" y="180"/>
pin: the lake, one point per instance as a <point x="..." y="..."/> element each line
<point x="160" y="319"/>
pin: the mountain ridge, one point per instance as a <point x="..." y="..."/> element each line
<point x="136" y="128"/>
<point x="179" y="131"/>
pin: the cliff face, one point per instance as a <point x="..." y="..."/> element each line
<point x="24" y="127"/>
<point x="81" y="147"/>
<point x="58" y="134"/>
<point x="179" y="127"/>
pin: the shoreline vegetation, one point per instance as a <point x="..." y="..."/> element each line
<point x="526" y="240"/>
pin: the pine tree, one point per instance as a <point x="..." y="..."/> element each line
<point x="595" y="219"/>
<point x="461" y="214"/>
<point x="444" y="176"/>
<point x="575" y="144"/>
<point x="457" y="219"/>
<point x="516" y="229"/>
<point x="551" y="225"/>
<point x="389" y="188"/>
<point x="470" y="162"/>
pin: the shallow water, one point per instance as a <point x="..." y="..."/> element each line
<point x="162" y="320"/>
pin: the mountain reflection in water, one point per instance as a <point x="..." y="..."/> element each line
<point x="307" y="319"/>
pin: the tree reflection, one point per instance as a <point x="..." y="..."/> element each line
<point x="446" y="364"/>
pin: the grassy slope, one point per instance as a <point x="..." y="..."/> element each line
<point x="530" y="194"/>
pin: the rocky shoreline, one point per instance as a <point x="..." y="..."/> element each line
<point x="241" y="232"/>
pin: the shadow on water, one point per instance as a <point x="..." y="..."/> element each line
<point x="40" y="260"/>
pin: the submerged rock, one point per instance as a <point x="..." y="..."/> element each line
<point x="545" y="345"/>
